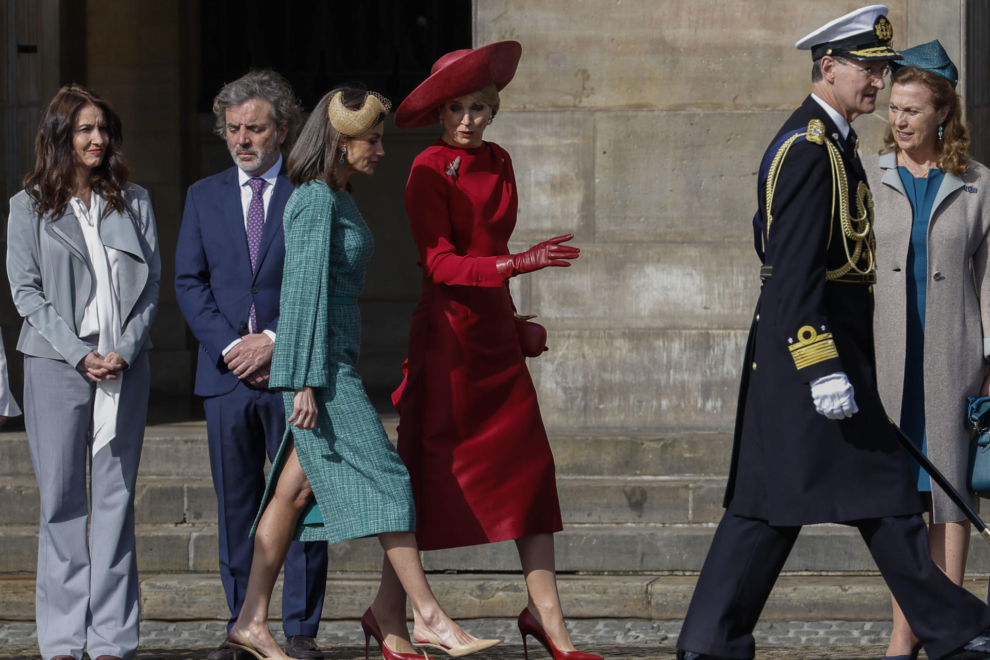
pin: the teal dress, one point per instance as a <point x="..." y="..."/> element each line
<point x="921" y="192"/>
<point x="360" y="485"/>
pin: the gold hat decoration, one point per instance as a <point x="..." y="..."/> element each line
<point x="352" y="123"/>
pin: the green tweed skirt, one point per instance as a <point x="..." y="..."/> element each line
<point x="360" y="485"/>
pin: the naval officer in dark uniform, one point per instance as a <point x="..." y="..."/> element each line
<point x="812" y="440"/>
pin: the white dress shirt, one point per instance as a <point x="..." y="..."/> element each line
<point x="102" y="315"/>
<point x="840" y="121"/>
<point x="270" y="177"/>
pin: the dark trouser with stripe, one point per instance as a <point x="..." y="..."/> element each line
<point x="747" y="555"/>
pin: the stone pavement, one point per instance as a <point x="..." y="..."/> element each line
<point x="620" y="652"/>
<point x="614" y="639"/>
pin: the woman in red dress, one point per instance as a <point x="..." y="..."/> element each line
<point x="470" y="429"/>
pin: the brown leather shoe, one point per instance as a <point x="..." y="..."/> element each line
<point x="223" y="652"/>
<point x="107" y="657"/>
<point x="303" y="648"/>
<point x="63" y="657"/>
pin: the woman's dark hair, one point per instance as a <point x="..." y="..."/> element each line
<point x="317" y="149"/>
<point x="51" y="182"/>
<point x="955" y="135"/>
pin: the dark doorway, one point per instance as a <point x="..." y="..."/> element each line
<point x="388" y="46"/>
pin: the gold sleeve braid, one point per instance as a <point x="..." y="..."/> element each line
<point x="812" y="348"/>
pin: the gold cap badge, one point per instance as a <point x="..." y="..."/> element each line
<point x="883" y="29"/>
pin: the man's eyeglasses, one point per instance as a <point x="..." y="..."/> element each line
<point x="869" y="71"/>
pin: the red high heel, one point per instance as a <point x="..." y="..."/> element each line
<point x="371" y="629"/>
<point x="528" y="625"/>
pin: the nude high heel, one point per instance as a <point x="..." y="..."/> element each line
<point x="528" y="625"/>
<point x="249" y="646"/>
<point x="453" y="651"/>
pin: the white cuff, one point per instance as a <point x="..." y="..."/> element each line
<point x="271" y="335"/>
<point x="230" y="346"/>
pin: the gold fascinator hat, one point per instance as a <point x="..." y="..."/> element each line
<point x="352" y="123"/>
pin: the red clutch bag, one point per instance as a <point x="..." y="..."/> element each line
<point x="532" y="337"/>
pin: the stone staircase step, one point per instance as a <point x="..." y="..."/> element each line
<point x="180" y="450"/>
<point x="579" y="548"/>
<point x="610" y="500"/>
<point x="157" y="500"/>
<point x="199" y="597"/>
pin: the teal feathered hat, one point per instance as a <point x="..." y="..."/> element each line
<point x="930" y="57"/>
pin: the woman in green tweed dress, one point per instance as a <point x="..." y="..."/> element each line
<point x="336" y="476"/>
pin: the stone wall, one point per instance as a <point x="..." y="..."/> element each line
<point x="639" y="126"/>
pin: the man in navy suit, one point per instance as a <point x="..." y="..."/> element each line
<point x="228" y="279"/>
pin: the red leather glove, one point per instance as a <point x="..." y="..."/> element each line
<point x="547" y="253"/>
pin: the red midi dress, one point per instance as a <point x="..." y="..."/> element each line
<point x="470" y="430"/>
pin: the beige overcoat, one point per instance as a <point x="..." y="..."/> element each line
<point x="957" y="312"/>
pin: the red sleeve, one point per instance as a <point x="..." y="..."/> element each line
<point x="426" y="204"/>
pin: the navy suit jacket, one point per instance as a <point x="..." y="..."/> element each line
<point x="214" y="284"/>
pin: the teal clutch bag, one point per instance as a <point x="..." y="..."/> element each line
<point x="978" y="419"/>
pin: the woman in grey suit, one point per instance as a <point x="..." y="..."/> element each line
<point x="83" y="265"/>
<point x="933" y="290"/>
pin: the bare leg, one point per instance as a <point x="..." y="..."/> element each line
<point x="536" y="555"/>
<point x="949" y="543"/>
<point x="402" y="574"/>
<point x="271" y="544"/>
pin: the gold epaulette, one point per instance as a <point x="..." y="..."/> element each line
<point x="816" y="131"/>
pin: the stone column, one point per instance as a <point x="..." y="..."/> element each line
<point x="29" y="65"/>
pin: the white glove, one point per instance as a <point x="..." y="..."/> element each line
<point x="834" y="396"/>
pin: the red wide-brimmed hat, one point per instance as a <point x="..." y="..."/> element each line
<point x="456" y="74"/>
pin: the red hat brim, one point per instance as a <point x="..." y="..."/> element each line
<point x="456" y="74"/>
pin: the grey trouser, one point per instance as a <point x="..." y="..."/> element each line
<point x="87" y="595"/>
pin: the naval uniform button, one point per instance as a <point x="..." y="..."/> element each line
<point x="870" y="288"/>
<point x="754" y="366"/>
<point x="757" y="318"/>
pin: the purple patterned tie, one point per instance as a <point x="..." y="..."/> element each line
<point x="255" y="227"/>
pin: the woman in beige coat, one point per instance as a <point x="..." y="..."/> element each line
<point x="932" y="206"/>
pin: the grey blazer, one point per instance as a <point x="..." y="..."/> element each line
<point x="51" y="277"/>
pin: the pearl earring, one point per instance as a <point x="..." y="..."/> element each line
<point x="343" y="152"/>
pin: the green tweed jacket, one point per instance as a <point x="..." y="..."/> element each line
<point x="360" y="485"/>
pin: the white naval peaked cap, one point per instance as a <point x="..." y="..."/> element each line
<point x="863" y="34"/>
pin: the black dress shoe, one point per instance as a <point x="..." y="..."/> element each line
<point x="977" y="648"/>
<point x="691" y="655"/>
<point x="303" y="648"/>
<point x="223" y="652"/>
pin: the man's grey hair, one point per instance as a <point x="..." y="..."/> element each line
<point x="266" y="85"/>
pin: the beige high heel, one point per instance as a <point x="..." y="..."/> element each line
<point x="453" y="651"/>
<point x="248" y="646"/>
